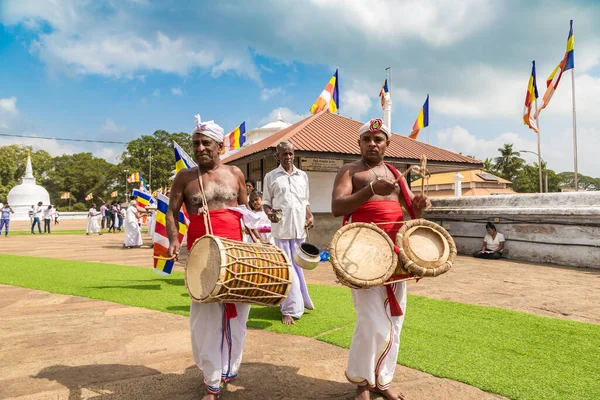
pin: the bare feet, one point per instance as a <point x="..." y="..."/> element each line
<point x="287" y="320"/>
<point x="389" y="394"/>
<point x="362" y="393"/>
<point x="209" y="396"/>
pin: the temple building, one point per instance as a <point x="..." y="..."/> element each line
<point x="323" y="143"/>
<point x="28" y="193"/>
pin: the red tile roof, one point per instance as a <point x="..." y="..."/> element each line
<point x="331" y="133"/>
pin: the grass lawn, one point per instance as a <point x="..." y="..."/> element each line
<point x="514" y="354"/>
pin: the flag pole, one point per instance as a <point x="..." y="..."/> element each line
<point x="574" y="129"/>
<point x="389" y="106"/>
<point x="539" y="152"/>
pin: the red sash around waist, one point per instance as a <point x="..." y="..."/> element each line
<point x="225" y="223"/>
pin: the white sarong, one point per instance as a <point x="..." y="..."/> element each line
<point x="133" y="236"/>
<point x="93" y="225"/>
<point x="298" y="299"/>
<point x="376" y="340"/>
<point x="217" y="343"/>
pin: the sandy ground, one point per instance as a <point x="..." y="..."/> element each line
<point x="66" y="347"/>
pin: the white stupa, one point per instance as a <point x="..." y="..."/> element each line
<point x="23" y="196"/>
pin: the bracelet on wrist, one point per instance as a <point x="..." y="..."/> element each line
<point x="371" y="185"/>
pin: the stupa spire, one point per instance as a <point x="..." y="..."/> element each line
<point x="29" y="178"/>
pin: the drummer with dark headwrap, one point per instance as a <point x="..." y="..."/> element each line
<point x="218" y="330"/>
<point x="369" y="190"/>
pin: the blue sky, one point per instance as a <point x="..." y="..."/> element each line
<point x="113" y="70"/>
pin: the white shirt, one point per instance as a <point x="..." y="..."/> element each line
<point x="130" y="215"/>
<point x="37" y="212"/>
<point x="493" y="244"/>
<point x="288" y="193"/>
<point x="48" y="213"/>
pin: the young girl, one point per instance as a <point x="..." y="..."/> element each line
<point x="264" y="226"/>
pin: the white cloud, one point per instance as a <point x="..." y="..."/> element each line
<point x="9" y="105"/>
<point x="176" y="91"/>
<point x="156" y="93"/>
<point x="58" y="148"/>
<point x="557" y="150"/>
<point x="287" y="115"/>
<point x="438" y="23"/>
<point x="110" y="126"/>
<point x="355" y="104"/>
<point x="113" y="41"/>
<point x="267" y="94"/>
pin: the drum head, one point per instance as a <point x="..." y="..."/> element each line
<point x="426" y="249"/>
<point x="203" y="267"/>
<point x="362" y="255"/>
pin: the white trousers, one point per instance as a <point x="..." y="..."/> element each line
<point x="217" y="343"/>
<point x="298" y="299"/>
<point x="376" y="340"/>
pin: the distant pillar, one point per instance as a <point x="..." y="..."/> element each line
<point x="387" y="112"/>
<point x="457" y="178"/>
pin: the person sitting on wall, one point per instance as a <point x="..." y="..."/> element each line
<point x="493" y="243"/>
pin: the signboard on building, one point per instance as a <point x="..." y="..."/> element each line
<point x="320" y="164"/>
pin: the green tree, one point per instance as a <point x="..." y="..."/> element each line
<point x="80" y="174"/>
<point x="567" y="181"/>
<point x="13" y="160"/>
<point x="488" y="166"/>
<point x="509" y="163"/>
<point x="160" y="146"/>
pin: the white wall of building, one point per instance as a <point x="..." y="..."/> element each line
<point x="320" y="186"/>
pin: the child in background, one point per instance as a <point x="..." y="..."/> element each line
<point x="264" y="227"/>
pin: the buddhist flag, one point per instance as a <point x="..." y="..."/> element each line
<point x="113" y="194"/>
<point x="236" y="138"/>
<point x="383" y="93"/>
<point x="422" y="120"/>
<point x="530" y="98"/>
<point x="567" y="63"/>
<point x="135" y="177"/>
<point x="65" y="196"/>
<point x="89" y="197"/>
<point x="143" y="198"/>
<point x="160" y="237"/>
<point x="182" y="159"/>
<point x="329" y="98"/>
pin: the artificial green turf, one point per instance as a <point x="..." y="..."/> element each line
<point x="518" y="355"/>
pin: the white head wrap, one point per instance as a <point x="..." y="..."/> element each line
<point x="208" y="128"/>
<point x="375" y="125"/>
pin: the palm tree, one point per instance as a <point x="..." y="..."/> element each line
<point x="488" y="165"/>
<point x="509" y="163"/>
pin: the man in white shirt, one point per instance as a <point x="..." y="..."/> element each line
<point x="37" y="217"/>
<point x="285" y="201"/>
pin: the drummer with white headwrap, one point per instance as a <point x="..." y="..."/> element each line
<point x="218" y="330"/>
<point x="369" y="190"/>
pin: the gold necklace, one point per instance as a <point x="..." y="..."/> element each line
<point x="372" y="170"/>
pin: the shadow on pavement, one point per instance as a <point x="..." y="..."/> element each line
<point x="256" y="381"/>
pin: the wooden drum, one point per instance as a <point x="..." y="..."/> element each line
<point x="228" y="271"/>
<point x="426" y="249"/>
<point x="362" y="255"/>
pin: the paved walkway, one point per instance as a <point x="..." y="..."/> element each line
<point x="66" y="347"/>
